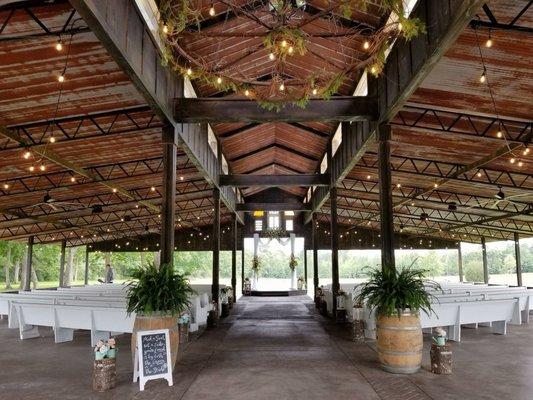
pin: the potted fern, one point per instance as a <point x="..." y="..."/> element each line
<point x="398" y="296"/>
<point x="158" y="297"/>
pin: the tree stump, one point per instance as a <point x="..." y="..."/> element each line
<point x="441" y="359"/>
<point x="184" y="332"/>
<point x="104" y="374"/>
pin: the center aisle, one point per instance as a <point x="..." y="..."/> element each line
<point x="275" y="349"/>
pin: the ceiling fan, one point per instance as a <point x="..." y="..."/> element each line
<point x="499" y="197"/>
<point x="58" y="205"/>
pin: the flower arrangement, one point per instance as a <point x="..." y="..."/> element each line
<point x="275" y="233"/>
<point x="105" y="349"/>
<point x="256" y="264"/>
<point x="293" y="263"/>
<point x="183" y="319"/>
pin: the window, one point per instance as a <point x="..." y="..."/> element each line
<point x="289" y="225"/>
<point x="273" y="219"/>
<point x="258" y="225"/>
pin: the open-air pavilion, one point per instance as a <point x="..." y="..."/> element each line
<point x="124" y="128"/>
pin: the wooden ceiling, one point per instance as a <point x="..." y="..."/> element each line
<point x="100" y="124"/>
<point x="107" y="137"/>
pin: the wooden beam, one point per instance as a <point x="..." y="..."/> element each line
<point x="273" y="207"/>
<point x="215" y="110"/>
<point x="335" y="284"/>
<point x="460" y="263"/>
<point x="28" y="266"/>
<point x="62" y="263"/>
<point x="518" y="259"/>
<point x="168" y="208"/>
<point x="215" y="288"/>
<point x="408" y="64"/>
<point x="314" y="241"/>
<point x="485" y="260"/>
<point x="385" y="199"/>
<point x="237" y="180"/>
<point x="86" y="274"/>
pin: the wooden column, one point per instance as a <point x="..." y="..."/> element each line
<point x="168" y="205"/>
<point x="460" y="263"/>
<point x="216" y="245"/>
<point x="62" y="263"/>
<point x="385" y="199"/>
<point x="305" y="264"/>
<point x="485" y="262"/>
<point x="518" y="259"/>
<point x="234" y="256"/>
<point x="28" y="266"/>
<point x="242" y="266"/>
<point x="315" y="253"/>
<point x="86" y="275"/>
<point x="335" y="286"/>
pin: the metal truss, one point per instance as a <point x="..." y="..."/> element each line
<point x="72" y="23"/>
<point x="442" y="170"/>
<point x="87" y="126"/>
<point x="432" y="120"/>
<point x="512" y="25"/>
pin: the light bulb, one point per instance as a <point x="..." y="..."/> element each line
<point x="435" y="185"/>
<point x="400" y="26"/>
<point x="52" y="139"/>
<point x="189" y="71"/>
<point x="247" y="93"/>
<point x="6" y="186"/>
<point x="42" y="167"/>
<point x="499" y="134"/>
<point x="483" y="77"/>
<point x="72" y="179"/>
<point x="398" y="185"/>
<point x="61" y="78"/>
<point x="271" y="56"/>
<point x="59" y="45"/>
<point x="31" y="168"/>
<point x="212" y="11"/>
<point x="366" y="45"/>
<point x="283" y="43"/>
<point x="512" y="160"/>
<point x="479" y="174"/>
<point x="114" y="190"/>
<point x="368" y="177"/>
<point x="315" y="91"/>
<point x="526" y="151"/>
<point x="219" y="80"/>
<point x="290" y="50"/>
<point x="282" y="87"/>
<point x="165" y="29"/>
<point x="520" y="163"/>
<point x="488" y="43"/>
<point x="26" y="155"/>
<point x="152" y="189"/>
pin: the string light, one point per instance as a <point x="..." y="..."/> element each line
<point x="368" y="177"/>
<point x="483" y="76"/>
<point x="499" y="134"/>
<point x="247" y="93"/>
<point x="435" y="185"/>
<point x="512" y="160"/>
<point x="59" y="45"/>
<point x="26" y="154"/>
<point x="219" y="80"/>
<point x="272" y="56"/>
<point x="290" y="50"/>
<point x="152" y="189"/>
<point x="489" y="43"/>
<point x="114" y="190"/>
<point x="6" y="186"/>
<point x="61" y="78"/>
<point x="52" y="139"/>
<point x="31" y="168"/>
<point x="282" y="87"/>
<point x="189" y="71"/>
<point x="72" y="179"/>
<point x="479" y="174"/>
<point x="366" y="45"/>
<point x="42" y="167"/>
<point x="315" y="91"/>
<point x="398" y="185"/>
<point x="520" y="163"/>
<point x="526" y="151"/>
<point x="212" y="11"/>
<point x="283" y="43"/>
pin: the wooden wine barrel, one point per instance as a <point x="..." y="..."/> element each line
<point x="148" y="323"/>
<point x="399" y="342"/>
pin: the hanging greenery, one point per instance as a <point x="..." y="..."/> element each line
<point x="275" y="233"/>
<point x="283" y="38"/>
<point x="256" y="264"/>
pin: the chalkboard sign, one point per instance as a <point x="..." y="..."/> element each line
<point x="152" y="357"/>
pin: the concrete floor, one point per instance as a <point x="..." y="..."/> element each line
<point x="272" y="348"/>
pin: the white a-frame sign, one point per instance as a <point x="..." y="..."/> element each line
<point x="152" y="357"/>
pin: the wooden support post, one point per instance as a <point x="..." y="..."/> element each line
<point x="62" y="263"/>
<point x="28" y="266"/>
<point x="385" y="199"/>
<point x="485" y="262"/>
<point x="86" y="275"/>
<point x="315" y="254"/>
<point x="335" y="285"/>
<point x="460" y="263"/>
<point x="305" y="265"/>
<point x="168" y="206"/>
<point x="242" y="266"/>
<point x="216" y="245"/>
<point x="518" y="259"/>
<point x="234" y="256"/>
